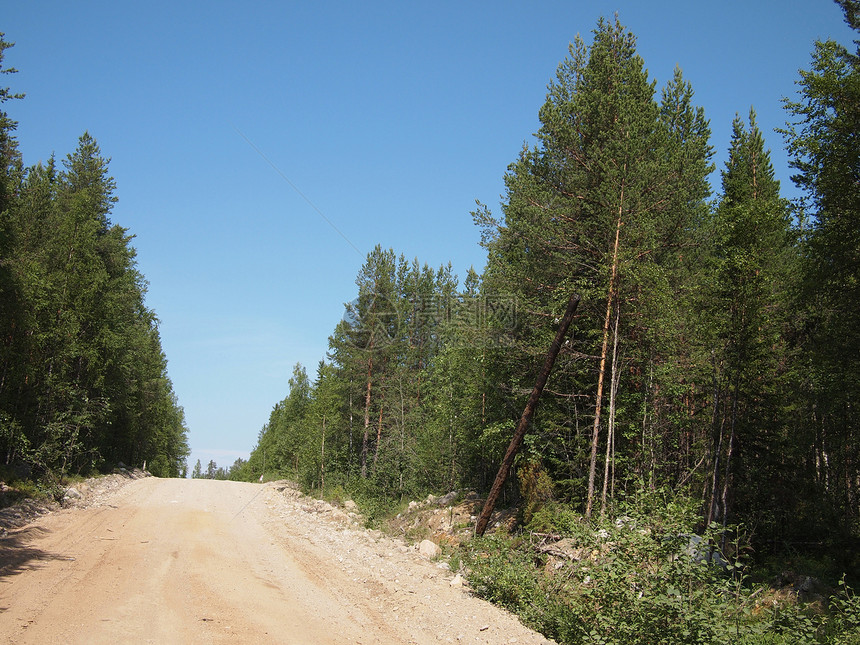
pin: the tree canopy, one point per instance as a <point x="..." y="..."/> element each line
<point x="83" y="378"/>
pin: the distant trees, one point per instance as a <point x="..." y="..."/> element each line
<point x="83" y="379"/>
<point x="355" y="423"/>
<point x="214" y="471"/>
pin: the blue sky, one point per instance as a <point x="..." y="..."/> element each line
<point x="233" y="126"/>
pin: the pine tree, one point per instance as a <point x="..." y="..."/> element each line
<point x="747" y="303"/>
<point x="600" y="208"/>
<point x="372" y="327"/>
<point x="822" y="140"/>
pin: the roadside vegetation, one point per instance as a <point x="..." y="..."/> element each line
<point x="637" y="578"/>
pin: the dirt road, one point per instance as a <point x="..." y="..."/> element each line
<point x="200" y="561"/>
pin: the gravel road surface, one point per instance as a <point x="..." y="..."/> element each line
<point x="201" y="561"/>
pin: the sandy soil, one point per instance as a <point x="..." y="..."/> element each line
<point x="200" y="561"/>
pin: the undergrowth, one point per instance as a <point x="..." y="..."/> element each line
<point x="643" y="577"/>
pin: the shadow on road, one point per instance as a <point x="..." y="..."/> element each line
<point x="17" y="553"/>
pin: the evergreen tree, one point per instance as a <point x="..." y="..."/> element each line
<point x="600" y="207"/>
<point x="10" y="158"/>
<point x="822" y="140"/>
<point x="12" y="308"/>
<point x="281" y="444"/>
<point x="83" y="379"/>
<point x="746" y="304"/>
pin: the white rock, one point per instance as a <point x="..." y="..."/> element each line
<point x="428" y="549"/>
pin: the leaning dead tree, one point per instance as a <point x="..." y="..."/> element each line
<point x="526" y="419"/>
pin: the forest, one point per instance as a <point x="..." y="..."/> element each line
<point x="708" y="385"/>
<point x="83" y="378"/>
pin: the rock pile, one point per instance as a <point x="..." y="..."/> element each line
<point x="94" y="492"/>
<point x="90" y="493"/>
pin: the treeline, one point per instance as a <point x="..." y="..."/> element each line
<point x="214" y="471"/>
<point x="83" y="379"/>
<point x="714" y="352"/>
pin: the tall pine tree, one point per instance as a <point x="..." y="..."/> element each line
<point x="746" y="301"/>
<point x="600" y="207"/>
<point x="822" y="140"/>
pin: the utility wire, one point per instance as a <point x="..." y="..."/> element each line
<point x="239" y="512"/>
<point x="296" y="188"/>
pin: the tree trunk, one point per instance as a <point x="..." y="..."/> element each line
<point x="610" y="435"/>
<point x="592" y="468"/>
<point x="378" y="436"/>
<point x="379" y="425"/>
<point x="365" y="439"/>
<point x="526" y="418"/>
<point x="351" y="448"/>
<point x="717" y="422"/>
<point x="322" y="461"/>
<point x="729" y="454"/>
<point x="451" y="448"/>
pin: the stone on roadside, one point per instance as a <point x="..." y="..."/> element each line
<point x="428" y="549"/>
<point x="446" y="500"/>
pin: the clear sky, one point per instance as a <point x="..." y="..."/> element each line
<point x="237" y="129"/>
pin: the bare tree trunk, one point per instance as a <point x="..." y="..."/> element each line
<point x="402" y="433"/>
<point x="365" y="439"/>
<point x="322" y="460"/>
<point x="729" y="453"/>
<point x="592" y="468"/>
<point x="610" y="435"/>
<point x="526" y="418"/>
<point x="378" y="436"/>
<point x="452" y="478"/>
<point x="381" y="410"/>
<point x="483" y="389"/>
<point x="351" y="448"/>
<point x="717" y="451"/>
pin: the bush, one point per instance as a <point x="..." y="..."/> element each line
<point x="635" y="580"/>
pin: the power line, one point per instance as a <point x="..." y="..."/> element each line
<point x="296" y="188"/>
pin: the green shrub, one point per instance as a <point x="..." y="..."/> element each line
<point x="631" y="580"/>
